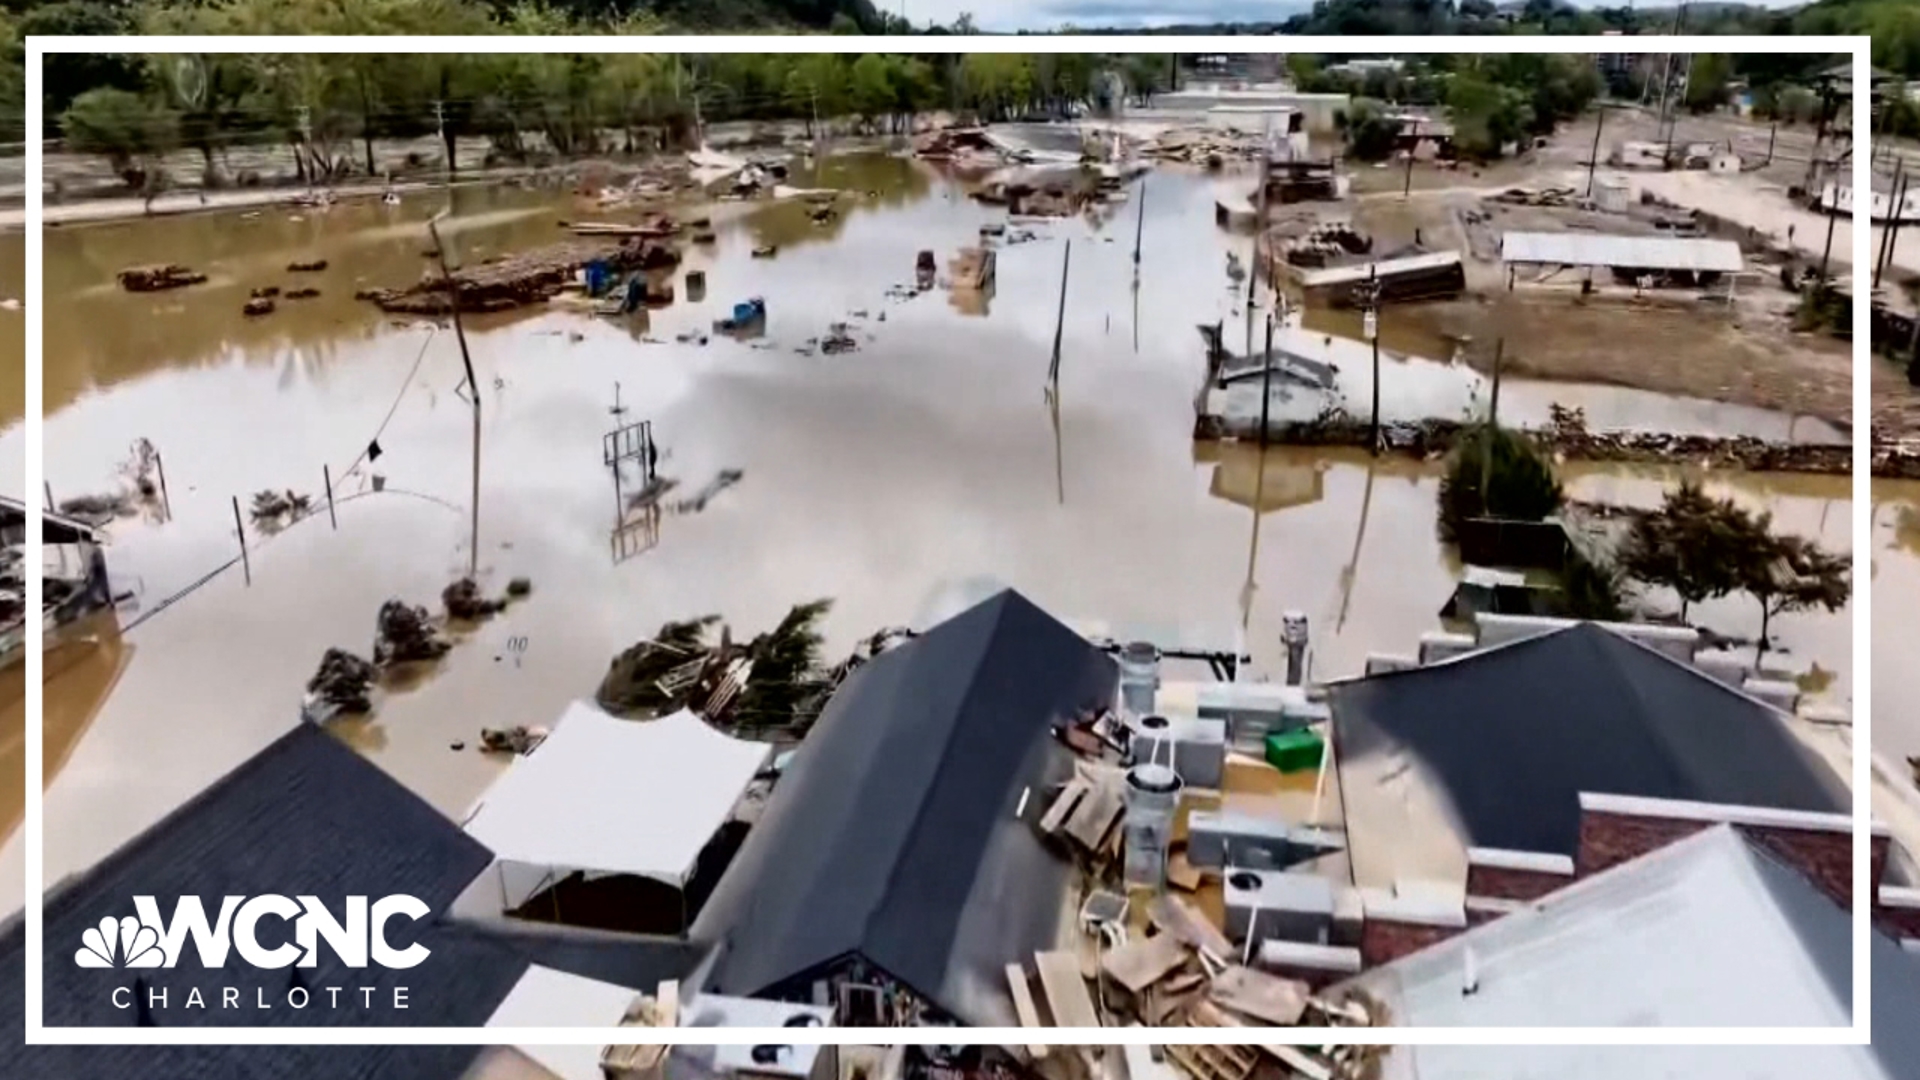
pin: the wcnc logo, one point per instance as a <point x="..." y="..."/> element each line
<point x="358" y="937"/>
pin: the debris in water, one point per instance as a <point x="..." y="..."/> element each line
<point x="313" y="267"/>
<point x="766" y="251"/>
<point x="258" y="306"/>
<point x="721" y="482"/>
<point x="456" y="745"/>
<point x="838" y="340"/>
<point x="650" y="494"/>
<point x="705" y="236"/>
<point x="656" y="674"/>
<point x="156" y="278"/>
<point x="98" y="509"/>
<point x="342" y="684"/>
<point x="278" y="509"/>
<point x="463" y="601"/>
<point x="302" y="294"/>
<point x="519" y="587"/>
<point x="518" y="739"/>
<point x="265" y="292"/>
<point x="529" y="277"/>
<point x="404" y="633"/>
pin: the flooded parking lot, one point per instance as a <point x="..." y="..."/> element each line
<point x="877" y="477"/>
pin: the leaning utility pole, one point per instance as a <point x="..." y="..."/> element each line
<point x="1059" y="326"/>
<point x="1367" y="295"/>
<point x="473" y="387"/>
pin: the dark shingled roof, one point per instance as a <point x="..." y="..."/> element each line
<point x="307" y="815"/>
<point x="1513" y="735"/>
<point x="893" y="836"/>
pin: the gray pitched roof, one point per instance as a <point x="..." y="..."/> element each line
<point x="1709" y="931"/>
<point x="306" y="815"/>
<point x="893" y="835"/>
<point x="1510" y="737"/>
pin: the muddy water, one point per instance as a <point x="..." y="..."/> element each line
<point x="879" y="477"/>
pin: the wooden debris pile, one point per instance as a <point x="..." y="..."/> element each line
<point x="521" y="279"/>
<point x="343" y="684"/>
<point x="157" y="278"/>
<point x="404" y="633"/>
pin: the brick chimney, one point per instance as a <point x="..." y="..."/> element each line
<point x="1617" y="828"/>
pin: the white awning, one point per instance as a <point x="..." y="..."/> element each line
<point x="616" y="796"/>
<point x="1634" y="252"/>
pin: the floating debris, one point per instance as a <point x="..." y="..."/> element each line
<point x="265" y="292"/>
<point x="258" y="306"/>
<point x="463" y="601"/>
<point x="302" y="294"/>
<point x="343" y="684"/>
<point x="518" y="739"/>
<point x="98" y="509"/>
<point x="275" y="510"/>
<point x="531" y="277"/>
<point x="838" y="340"/>
<point x="313" y="267"/>
<point x="766" y="251"/>
<point x="725" y="479"/>
<point x="404" y="634"/>
<point x="157" y="278"/>
<point x="519" y="588"/>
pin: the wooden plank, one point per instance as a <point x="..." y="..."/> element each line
<point x="1174" y="915"/>
<point x="667" y="1004"/>
<point x="1182" y="874"/>
<point x="1067" y="996"/>
<point x="1139" y="964"/>
<point x="1063" y="805"/>
<point x="1093" y="819"/>
<point x="1023" y="1006"/>
<point x="1266" y="998"/>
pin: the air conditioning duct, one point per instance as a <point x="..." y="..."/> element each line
<point x="1195" y="748"/>
<point x="1290" y="907"/>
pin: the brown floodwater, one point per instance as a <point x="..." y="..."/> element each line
<point x="884" y="478"/>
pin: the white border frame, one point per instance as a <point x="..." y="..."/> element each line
<point x="1859" y="1033"/>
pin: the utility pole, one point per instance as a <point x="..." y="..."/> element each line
<point x="1259" y="229"/>
<point x="1897" y="196"/>
<point x="1493" y="426"/>
<point x="440" y="126"/>
<point x="1059" y="325"/>
<point x="1833" y="214"/>
<point x="1266" y="402"/>
<point x="1406" y="187"/>
<point x="1367" y="294"/>
<point x="1593" y="156"/>
<point x="1140" y="230"/>
<point x="473" y="388"/>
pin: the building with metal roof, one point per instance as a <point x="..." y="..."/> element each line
<point x="1622" y="252"/>
<point x="305" y="816"/>
<point x="1494" y="748"/>
<point x="898" y="851"/>
<point x="1710" y="931"/>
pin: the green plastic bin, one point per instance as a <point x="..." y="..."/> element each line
<point x="1293" y="751"/>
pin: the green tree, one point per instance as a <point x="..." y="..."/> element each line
<point x="1486" y="115"/>
<point x="1519" y="484"/>
<point x="122" y="127"/>
<point x="870" y="88"/>
<point x="1789" y="573"/>
<point x="1693" y="544"/>
<point x="1370" y="132"/>
<point x="1708" y="83"/>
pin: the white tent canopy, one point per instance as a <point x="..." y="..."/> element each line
<point x="1631" y="252"/>
<point x="611" y="796"/>
<point x="547" y="998"/>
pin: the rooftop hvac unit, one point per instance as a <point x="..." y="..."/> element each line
<point x="1217" y="839"/>
<point x="1291" y="907"/>
<point x="1195" y="748"/>
<point x="1255" y="710"/>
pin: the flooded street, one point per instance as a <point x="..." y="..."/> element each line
<point x="877" y="477"/>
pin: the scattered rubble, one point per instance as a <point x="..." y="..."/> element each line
<point x="530" y="277"/>
<point x="302" y="294"/>
<point x="157" y="278"/>
<point x="1434" y="438"/>
<point x="257" y="306"/>
<point x="838" y="340"/>
<point x="265" y="292"/>
<point x="404" y="634"/>
<point x="518" y="739"/>
<point x="274" y="510"/>
<point x="1210" y="147"/>
<point x="343" y="684"/>
<point x="312" y="267"/>
<point x="463" y="601"/>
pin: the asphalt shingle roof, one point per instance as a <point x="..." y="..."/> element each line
<point x="893" y="836"/>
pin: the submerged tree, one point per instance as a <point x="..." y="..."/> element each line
<point x="781" y="687"/>
<point x="1693" y="545"/>
<point x="1791" y="573"/>
<point x="1519" y="484"/>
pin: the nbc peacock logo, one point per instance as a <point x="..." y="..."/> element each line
<point x="120" y="943"/>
